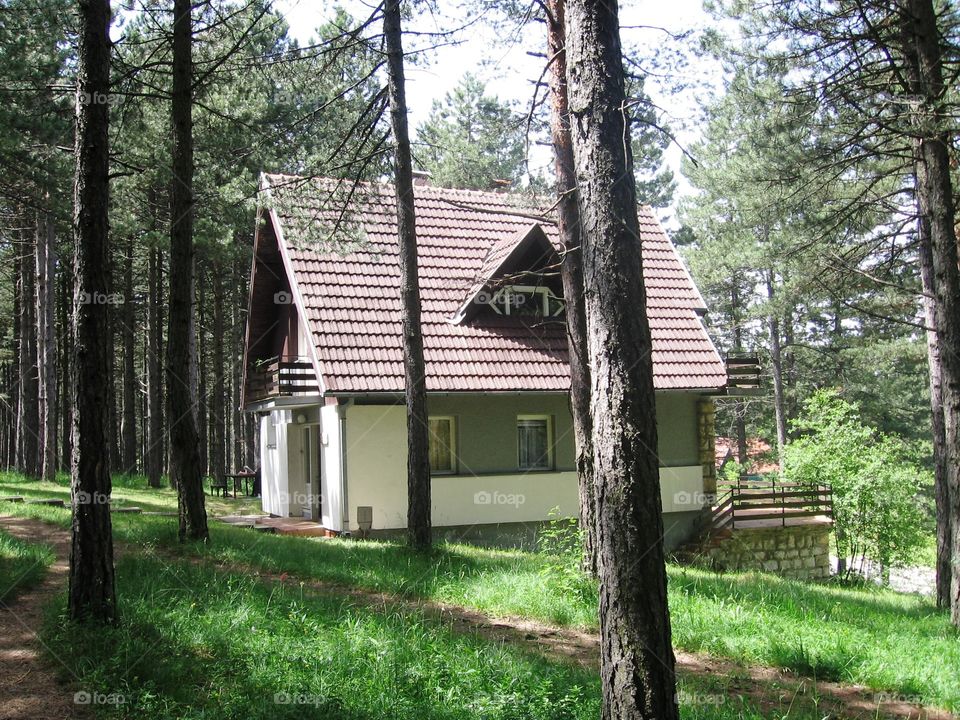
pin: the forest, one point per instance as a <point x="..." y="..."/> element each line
<point x="813" y="205"/>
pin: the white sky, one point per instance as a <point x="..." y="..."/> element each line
<point x="503" y="63"/>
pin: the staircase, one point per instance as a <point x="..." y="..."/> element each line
<point x="763" y="524"/>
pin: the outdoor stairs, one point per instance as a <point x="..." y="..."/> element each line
<point x="762" y="524"/>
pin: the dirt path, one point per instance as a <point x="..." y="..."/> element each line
<point x="32" y="687"/>
<point x="28" y="684"/>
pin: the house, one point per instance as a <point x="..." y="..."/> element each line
<point x="324" y="372"/>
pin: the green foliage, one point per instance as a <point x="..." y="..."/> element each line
<point x="22" y="565"/>
<point x="560" y="544"/>
<point x="471" y="139"/>
<point x="876" y="481"/>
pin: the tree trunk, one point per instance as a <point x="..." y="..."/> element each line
<point x="46" y="269"/>
<point x="418" y="449"/>
<point x="92" y="594"/>
<point x="924" y="73"/>
<point x="571" y="273"/>
<point x="941" y="487"/>
<point x="153" y="457"/>
<point x="776" y="368"/>
<point x="66" y="370"/>
<point x="185" y="470"/>
<point x="218" y="435"/>
<point x="128" y="426"/>
<point x="200" y="353"/>
<point x="637" y="662"/>
<point x="740" y="408"/>
<point x="28" y="415"/>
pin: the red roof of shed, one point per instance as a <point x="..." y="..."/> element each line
<point x="351" y="298"/>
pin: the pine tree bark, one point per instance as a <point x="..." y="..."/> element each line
<point x="46" y="348"/>
<point x="28" y="414"/>
<point x="218" y="434"/>
<point x="924" y="74"/>
<point x="637" y="662"/>
<point x="65" y="368"/>
<point x="739" y="406"/>
<point x="937" y="425"/>
<point x="571" y="273"/>
<point x="776" y="368"/>
<point x="419" y="531"/>
<point x="128" y="425"/>
<point x="92" y="594"/>
<point x="185" y="469"/>
<point x="153" y="458"/>
<point x="203" y="399"/>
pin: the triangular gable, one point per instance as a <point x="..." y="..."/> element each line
<point x="508" y="258"/>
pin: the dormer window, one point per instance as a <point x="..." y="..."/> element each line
<point x="527" y="300"/>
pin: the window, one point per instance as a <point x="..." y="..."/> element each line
<point x="527" y="300"/>
<point x="443" y="445"/>
<point x="534" y="442"/>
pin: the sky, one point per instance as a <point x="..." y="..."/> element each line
<point x="503" y="63"/>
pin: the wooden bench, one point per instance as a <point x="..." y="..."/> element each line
<point x="219" y="488"/>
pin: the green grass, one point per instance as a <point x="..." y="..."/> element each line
<point x="885" y="640"/>
<point x="196" y="642"/>
<point x="22" y="565"/>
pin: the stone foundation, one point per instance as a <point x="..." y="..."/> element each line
<point x="795" y="551"/>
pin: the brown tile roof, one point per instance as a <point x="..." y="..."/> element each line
<point x="352" y="298"/>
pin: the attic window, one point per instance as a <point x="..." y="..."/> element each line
<point x="527" y="300"/>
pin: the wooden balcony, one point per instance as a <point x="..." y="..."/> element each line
<point x="281" y="378"/>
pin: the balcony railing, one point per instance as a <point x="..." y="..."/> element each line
<point x="281" y="377"/>
<point x="755" y="502"/>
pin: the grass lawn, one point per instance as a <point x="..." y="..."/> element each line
<point x="22" y="565"/>
<point x="866" y="635"/>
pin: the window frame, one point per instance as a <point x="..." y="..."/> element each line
<point x="544" y="294"/>
<point x="548" y="419"/>
<point x="454" y="444"/>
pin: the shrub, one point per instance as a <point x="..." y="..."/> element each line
<point x="877" y="483"/>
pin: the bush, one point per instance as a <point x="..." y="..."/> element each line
<point x="560" y="542"/>
<point x="877" y="482"/>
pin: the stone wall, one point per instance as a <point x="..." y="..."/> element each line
<point x="798" y="551"/>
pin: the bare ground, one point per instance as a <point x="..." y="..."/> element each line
<point x="31" y="690"/>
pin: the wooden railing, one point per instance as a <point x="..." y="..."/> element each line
<point x="276" y="377"/>
<point x="757" y="501"/>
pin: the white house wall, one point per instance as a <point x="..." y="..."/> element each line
<point x="376" y="467"/>
<point x="331" y="510"/>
